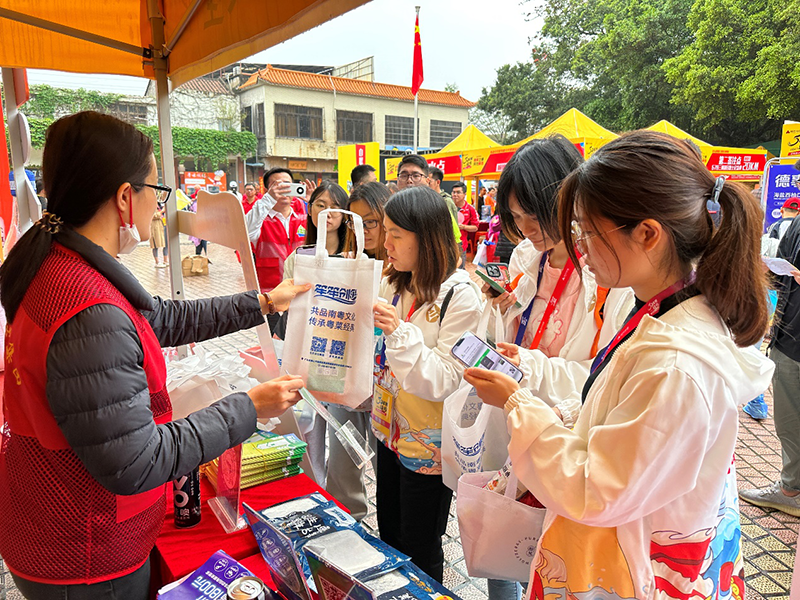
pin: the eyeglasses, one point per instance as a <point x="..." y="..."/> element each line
<point x="371" y="224"/>
<point x="579" y="236"/>
<point x="415" y="177"/>
<point x="162" y="191"/>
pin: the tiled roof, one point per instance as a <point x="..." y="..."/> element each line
<point x="357" y="87"/>
<point x="207" y="85"/>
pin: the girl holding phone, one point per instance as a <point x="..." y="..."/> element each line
<point x="432" y="304"/>
<point x="641" y="494"/>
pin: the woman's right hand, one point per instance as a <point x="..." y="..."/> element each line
<point x="510" y="351"/>
<point x="502" y="301"/>
<point x="272" y="398"/>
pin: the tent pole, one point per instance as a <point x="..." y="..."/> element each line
<point x="14" y="136"/>
<point x="167" y="155"/>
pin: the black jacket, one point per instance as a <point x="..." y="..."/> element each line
<point x="97" y="388"/>
<point x="786" y="328"/>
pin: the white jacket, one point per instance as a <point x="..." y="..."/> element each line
<point x="644" y="483"/>
<point x="554" y="379"/>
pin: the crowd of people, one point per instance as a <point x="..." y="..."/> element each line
<point x="633" y="318"/>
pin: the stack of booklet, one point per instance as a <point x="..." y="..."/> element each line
<point x="266" y="457"/>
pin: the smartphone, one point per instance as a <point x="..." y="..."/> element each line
<point x="495" y="285"/>
<point x="298" y="190"/>
<point x="312" y="250"/>
<point x="472" y="351"/>
<point x="499" y="272"/>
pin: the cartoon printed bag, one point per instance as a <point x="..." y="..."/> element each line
<point x="330" y="330"/>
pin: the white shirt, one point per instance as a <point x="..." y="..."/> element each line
<point x="274" y="214"/>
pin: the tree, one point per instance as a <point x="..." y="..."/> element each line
<point x="497" y="126"/>
<point x="741" y="73"/>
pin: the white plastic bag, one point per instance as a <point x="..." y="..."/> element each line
<point x="202" y="378"/>
<point x="474" y="435"/>
<point x="330" y="330"/>
<point x="498" y="534"/>
<point x="480" y="255"/>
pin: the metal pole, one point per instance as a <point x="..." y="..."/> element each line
<point x="416" y="120"/>
<point x="167" y="156"/>
<point x="17" y="167"/>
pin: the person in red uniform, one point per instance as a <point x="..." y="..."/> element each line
<point x="274" y="227"/>
<point x="250" y="197"/>
<point x="87" y="440"/>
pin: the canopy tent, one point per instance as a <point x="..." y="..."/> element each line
<point x="573" y="125"/>
<point x="587" y="135"/>
<point x="665" y="126"/>
<point x="448" y="159"/>
<point x="171" y="41"/>
<point x="739" y="164"/>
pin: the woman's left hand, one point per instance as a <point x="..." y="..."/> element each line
<point x="284" y="293"/>
<point x="491" y="386"/>
<point x="386" y="317"/>
<point x="310" y="187"/>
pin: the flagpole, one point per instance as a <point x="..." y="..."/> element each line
<point x="416" y="107"/>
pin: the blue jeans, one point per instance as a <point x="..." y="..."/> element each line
<point x="134" y="586"/>
<point x="503" y="590"/>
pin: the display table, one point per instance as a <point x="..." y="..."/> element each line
<point x="180" y="551"/>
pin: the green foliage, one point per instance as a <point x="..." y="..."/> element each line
<point x="46" y="102"/>
<point x="728" y="70"/>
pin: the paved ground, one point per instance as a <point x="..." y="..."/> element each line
<point x="769" y="536"/>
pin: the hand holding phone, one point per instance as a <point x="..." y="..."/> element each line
<point x="471" y="351"/>
<point x="495" y="285"/>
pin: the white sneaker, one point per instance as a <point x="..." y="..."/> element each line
<point x="773" y="497"/>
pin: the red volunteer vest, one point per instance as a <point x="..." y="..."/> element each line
<point x="274" y="246"/>
<point x="57" y="524"/>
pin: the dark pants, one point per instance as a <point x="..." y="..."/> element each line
<point x="412" y="512"/>
<point x="202" y="246"/>
<point x="134" y="586"/>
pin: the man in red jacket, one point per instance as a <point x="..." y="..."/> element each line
<point x="274" y="228"/>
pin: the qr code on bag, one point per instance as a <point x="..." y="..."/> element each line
<point x="337" y="348"/>
<point x="318" y="345"/>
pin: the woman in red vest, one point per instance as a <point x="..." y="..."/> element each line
<point x="87" y="441"/>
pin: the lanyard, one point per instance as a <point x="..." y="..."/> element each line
<point x="652" y="307"/>
<point x="566" y="273"/>
<point x="382" y="359"/>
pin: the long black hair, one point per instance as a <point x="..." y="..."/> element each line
<point x="534" y="175"/>
<point x="339" y="197"/>
<point x="422" y="211"/>
<point x="87" y="157"/>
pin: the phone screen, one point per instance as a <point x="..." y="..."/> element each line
<point x="474" y="352"/>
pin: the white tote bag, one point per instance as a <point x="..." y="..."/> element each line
<point x="330" y="337"/>
<point x="474" y="435"/>
<point x="499" y="535"/>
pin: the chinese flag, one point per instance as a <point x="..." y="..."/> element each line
<point x="416" y="76"/>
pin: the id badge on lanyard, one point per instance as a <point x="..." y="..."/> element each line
<point x="387" y="389"/>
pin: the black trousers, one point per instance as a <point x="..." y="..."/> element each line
<point x="134" y="586"/>
<point x="412" y="512"/>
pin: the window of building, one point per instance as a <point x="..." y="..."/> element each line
<point x="247" y="118"/>
<point x="298" y="122"/>
<point x="129" y="112"/>
<point x="353" y="127"/>
<point x="260" y="124"/>
<point x="400" y="131"/>
<point x="443" y="132"/>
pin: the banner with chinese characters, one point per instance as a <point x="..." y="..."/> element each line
<point x="450" y="164"/>
<point x="790" y="139"/>
<point x="738" y="164"/>
<point x="781" y="183"/>
<point x="353" y="155"/>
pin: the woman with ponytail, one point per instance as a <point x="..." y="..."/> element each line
<point x="641" y="494"/>
<point x="87" y="441"/>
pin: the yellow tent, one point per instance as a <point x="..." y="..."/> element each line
<point x="665" y="126"/>
<point x="469" y="139"/>
<point x="573" y="125"/>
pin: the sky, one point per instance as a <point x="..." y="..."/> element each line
<point x="463" y="42"/>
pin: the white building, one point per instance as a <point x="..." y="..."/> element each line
<point x="300" y="118"/>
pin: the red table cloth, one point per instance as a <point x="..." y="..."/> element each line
<point x="181" y="551"/>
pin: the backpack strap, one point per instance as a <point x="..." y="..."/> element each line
<point x="446" y="302"/>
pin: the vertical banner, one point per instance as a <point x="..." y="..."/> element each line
<point x="6" y="199"/>
<point x="353" y="155"/>
<point x="781" y="184"/>
<point x="790" y="139"/>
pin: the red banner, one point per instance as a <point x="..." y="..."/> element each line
<point x="449" y="165"/>
<point x="497" y="162"/>
<point x="361" y="154"/>
<point x="6" y="199"/>
<point x="721" y="162"/>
